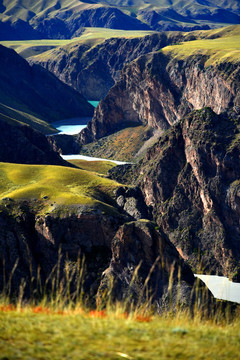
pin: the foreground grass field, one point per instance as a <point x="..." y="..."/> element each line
<point x="39" y="333"/>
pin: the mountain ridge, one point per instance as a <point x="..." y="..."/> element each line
<point x="60" y="19"/>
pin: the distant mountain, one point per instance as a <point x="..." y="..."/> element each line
<point x="65" y="18"/>
<point x="69" y="24"/>
<point x="12" y="28"/>
<point x="33" y="95"/>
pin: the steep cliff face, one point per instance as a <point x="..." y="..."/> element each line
<point x="93" y="70"/>
<point x="158" y="90"/>
<point x="38" y="244"/>
<point x="190" y="179"/>
<point x="42" y="249"/>
<point x="142" y="263"/>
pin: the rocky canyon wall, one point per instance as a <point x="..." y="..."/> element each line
<point x="92" y="69"/>
<point x="158" y="90"/>
<point x="43" y="252"/>
<point x="190" y="180"/>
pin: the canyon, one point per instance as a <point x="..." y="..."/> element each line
<point x="92" y="68"/>
<point x="173" y="212"/>
<point x="189" y="180"/>
<point x="157" y="90"/>
<point x="36" y="245"/>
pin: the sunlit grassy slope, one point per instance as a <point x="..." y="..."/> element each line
<point x="104" y="33"/>
<point x="100" y="167"/>
<point x="34" y="334"/>
<point x="27" y="48"/>
<point x="115" y="146"/>
<point x="219" y="45"/>
<point x="52" y="184"/>
<point x="29" y="8"/>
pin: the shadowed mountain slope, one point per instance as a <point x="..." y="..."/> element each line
<point x="24" y="145"/>
<point x="34" y="91"/>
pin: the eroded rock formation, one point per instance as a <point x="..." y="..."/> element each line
<point x="40" y="251"/>
<point x="145" y="265"/>
<point x="158" y="90"/>
<point x="93" y="69"/>
<point x="190" y="180"/>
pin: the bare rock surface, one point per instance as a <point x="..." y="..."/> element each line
<point x="158" y="91"/>
<point x="93" y="69"/>
<point x="144" y="266"/>
<point x="190" y="180"/>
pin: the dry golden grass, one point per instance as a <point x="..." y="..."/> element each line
<point x="44" y="333"/>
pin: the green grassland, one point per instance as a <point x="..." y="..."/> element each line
<point x="44" y="334"/>
<point x="100" y="167"/>
<point x="27" y="48"/>
<point x="53" y="185"/>
<point x="104" y="33"/>
<point x="115" y="147"/>
<point x="218" y="45"/>
<point x="227" y="31"/>
<point x="92" y="36"/>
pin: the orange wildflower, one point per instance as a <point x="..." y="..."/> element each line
<point x="60" y="312"/>
<point x="7" y="308"/>
<point x="40" y="309"/>
<point x="143" y="318"/>
<point x="97" y="314"/>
